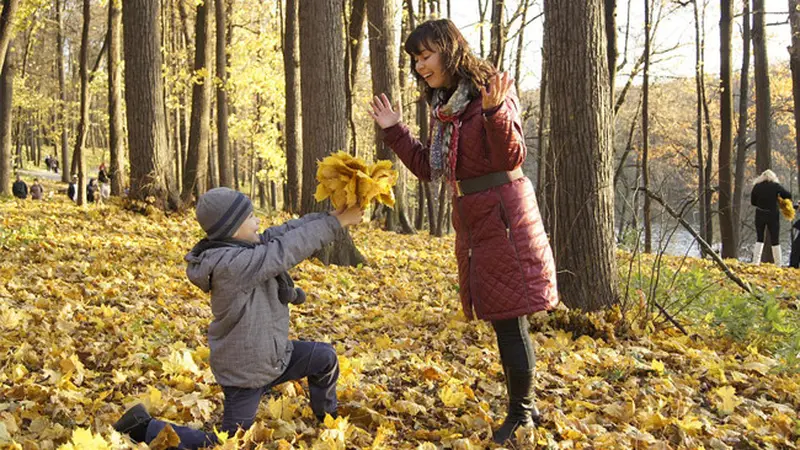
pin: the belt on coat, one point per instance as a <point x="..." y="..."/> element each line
<point x="488" y="181"/>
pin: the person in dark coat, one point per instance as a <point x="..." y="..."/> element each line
<point x="794" y="256"/>
<point x="92" y="191"/>
<point x="764" y="196"/>
<point x="37" y="190"/>
<point x="506" y="268"/>
<point x="20" y="189"/>
<point x="72" y="189"/>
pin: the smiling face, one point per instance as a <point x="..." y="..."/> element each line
<point x="430" y="68"/>
<point x="248" y="230"/>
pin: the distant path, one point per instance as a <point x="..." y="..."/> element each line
<point x="48" y="175"/>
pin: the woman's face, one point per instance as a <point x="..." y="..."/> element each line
<point x="428" y="65"/>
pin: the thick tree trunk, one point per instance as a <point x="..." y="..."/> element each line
<point x="726" y="219"/>
<point x="223" y="146"/>
<point x="294" y="147"/>
<point x="763" y="102"/>
<point x="581" y="144"/>
<point x="196" y="170"/>
<point x="322" y="85"/>
<point x="384" y="81"/>
<point x="794" y="62"/>
<point x="115" y="118"/>
<point x="7" y="24"/>
<point x="151" y="174"/>
<point x="741" y="135"/>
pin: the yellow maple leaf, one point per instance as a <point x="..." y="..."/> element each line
<point x="725" y="399"/>
<point x="453" y="395"/>
<point x="349" y="181"/>
<point x="84" y="439"/>
<point x="179" y="362"/>
<point x="281" y="408"/>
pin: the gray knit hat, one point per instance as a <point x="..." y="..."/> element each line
<point x="221" y="211"/>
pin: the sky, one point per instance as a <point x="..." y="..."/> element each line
<point x="676" y="28"/>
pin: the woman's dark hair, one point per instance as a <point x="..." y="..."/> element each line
<point x="442" y="36"/>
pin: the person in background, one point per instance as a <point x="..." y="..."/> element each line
<point x="37" y="190"/>
<point x="72" y="189"/>
<point x="764" y="196"/>
<point x="20" y="189"/>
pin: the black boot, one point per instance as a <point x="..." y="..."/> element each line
<point x="522" y="411"/>
<point x="134" y="423"/>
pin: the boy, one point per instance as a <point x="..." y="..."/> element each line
<point x="249" y="337"/>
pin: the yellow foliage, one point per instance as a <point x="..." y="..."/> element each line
<point x="348" y="181"/>
<point x="786" y="207"/>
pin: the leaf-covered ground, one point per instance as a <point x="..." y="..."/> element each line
<point x="96" y="314"/>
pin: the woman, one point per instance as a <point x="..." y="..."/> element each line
<point x="505" y="264"/>
<point x="764" y="197"/>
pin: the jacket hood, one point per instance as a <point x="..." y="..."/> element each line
<point x="205" y="256"/>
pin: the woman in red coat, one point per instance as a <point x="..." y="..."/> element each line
<point x="505" y="265"/>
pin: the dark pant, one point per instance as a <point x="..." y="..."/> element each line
<point x="314" y="360"/>
<point x="769" y="220"/>
<point x="794" y="257"/>
<point x="514" y="342"/>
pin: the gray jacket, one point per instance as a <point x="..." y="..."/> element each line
<point x="249" y="336"/>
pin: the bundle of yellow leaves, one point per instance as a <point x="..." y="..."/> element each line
<point x="787" y="209"/>
<point x="349" y="181"/>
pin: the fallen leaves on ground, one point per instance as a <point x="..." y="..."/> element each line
<point x="96" y="314"/>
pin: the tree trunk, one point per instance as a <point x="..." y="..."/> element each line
<point x="62" y="92"/>
<point x="763" y="103"/>
<point x="223" y="146"/>
<point x="498" y="34"/>
<point x="7" y="93"/>
<point x="322" y="85"/>
<point x="7" y="24"/>
<point x="442" y="209"/>
<point x="581" y="144"/>
<point x="355" y="26"/>
<point x="115" y="119"/>
<point x="648" y="235"/>
<point x="520" y="46"/>
<point x="610" y="11"/>
<point x="197" y="168"/>
<point x="80" y="140"/>
<point x="698" y="80"/>
<point x="726" y="222"/>
<point x="794" y="62"/>
<point x="741" y="135"/>
<point x="294" y="147"/>
<point x="545" y="183"/>
<point x="151" y="174"/>
<point x="382" y="56"/>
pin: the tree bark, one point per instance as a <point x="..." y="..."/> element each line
<point x="80" y="140"/>
<point x="382" y="57"/>
<point x="741" y="135"/>
<point x="115" y="118"/>
<point x="763" y="102"/>
<point x="355" y="27"/>
<point x="498" y="34"/>
<point x="7" y="94"/>
<point x="794" y="63"/>
<point x="151" y="174"/>
<point x="223" y="146"/>
<point x="726" y="221"/>
<point x="648" y="235"/>
<point x="294" y="147"/>
<point x="7" y="24"/>
<point x="322" y="85"/>
<point x="197" y="168"/>
<point x="581" y="144"/>
<point x="698" y="79"/>
<point x="610" y="11"/>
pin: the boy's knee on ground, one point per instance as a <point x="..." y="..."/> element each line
<point x="327" y="354"/>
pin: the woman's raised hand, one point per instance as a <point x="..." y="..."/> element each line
<point x="499" y="86"/>
<point x="383" y="113"/>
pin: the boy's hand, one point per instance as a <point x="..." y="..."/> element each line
<point x="351" y="216"/>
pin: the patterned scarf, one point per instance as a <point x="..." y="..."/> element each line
<point x="445" y="126"/>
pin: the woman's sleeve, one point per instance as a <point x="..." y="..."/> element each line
<point x="784" y="193"/>
<point x="504" y="136"/>
<point x="409" y="149"/>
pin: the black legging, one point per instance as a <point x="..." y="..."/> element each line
<point x="514" y="341"/>
<point x="768" y="219"/>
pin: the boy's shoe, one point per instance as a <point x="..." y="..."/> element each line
<point x="134" y="423"/>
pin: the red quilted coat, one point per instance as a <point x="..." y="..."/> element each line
<point x="505" y="264"/>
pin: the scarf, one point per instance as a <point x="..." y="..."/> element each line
<point x="445" y="127"/>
